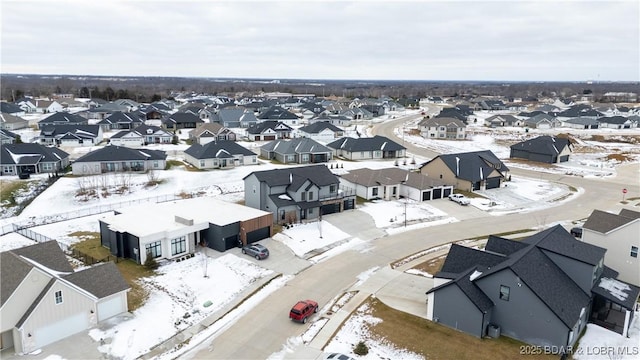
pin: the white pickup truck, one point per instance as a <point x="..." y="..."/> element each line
<point x="459" y="198"/>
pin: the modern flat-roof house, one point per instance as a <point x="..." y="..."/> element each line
<point x="296" y="151"/>
<point x="30" y="158"/>
<point x="44" y="300"/>
<point x="377" y="147"/>
<point x="542" y="290"/>
<point x="119" y="159"/>
<point x="618" y="233"/>
<point x="478" y="170"/>
<point x="298" y="193"/>
<point x="393" y="183"/>
<point x="546" y="149"/>
<point x="219" y="155"/>
<point x="174" y="229"/>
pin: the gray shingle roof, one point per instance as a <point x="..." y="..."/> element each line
<point x="63" y="118"/>
<point x="503" y="246"/>
<point x="318" y="126"/>
<point x="558" y="240"/>
<point x="461" y="258"/>
<point x="277" y="113"/>
<point x="79" y="131"/>
<point x="442" y="121"/>
<point x="183" y="118"/>
<point x="546" y="145"/>
<point x="295" y="146"/>
<point x="296" y="176"/>
<point x="473" y="166"/>
<point x="603" y="222"/>
<point x="390" y="176"/>
<point x="101" y="280"/>
<point x="121" y="153"/>
<point x="377" y="142"/>
<point x="614" y="290"/>
<point x="9" y="108"/>
<point x="11" y="154"/>
<point x="217" y="150"/>
<point x="120" y="117"/>
<point x="259" y="128"/>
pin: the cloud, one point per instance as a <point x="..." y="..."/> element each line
<point x="440" y="40"/>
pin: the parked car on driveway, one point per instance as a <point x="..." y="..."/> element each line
<point x="459" y="198"/>
<point x="302" y="310"/>
<point x="576" y="231"/>
<point x="256" y="250"/>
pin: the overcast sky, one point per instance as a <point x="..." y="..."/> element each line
<point x="386" y="40"/>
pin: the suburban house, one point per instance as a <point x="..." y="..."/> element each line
<point x="502" y="120"/>
<point x="62" y="118"/>
<point x="297" y="194"/>
<point x="11" y="109"/>
<point x="442" y="128"/>
<point x="70" y="135"/>
<point x="12" y="122"/>
<point x="478" y="170"/>
<point x="296" y="151"/>
<point x="337" y="120"/>
<point x="182" y="120"/>
<point x="120" y="121"/>
<point x="618" y="233"/>
<point x="269" y="130"/>
<point x="234" y="117"/>
<point x="542" y="121"/>
<point x="208" y="132"/>
<point x="7" y="137"/>
<point x="394" y="183"/>
<point x="542" y="290"/>
<point x="141" y="136"/>
<point x="377" y="147"/>
<point x="321" y="131"/>
<point x="490" y="104"/>
<point x="29" y="158"/>
<point x="44" y="300"/>
<point x="617" y="122"/>
<point x="547" y="149"/>
<point x="277" y="113"/>
<point x="174" y="229"/>
<point x="219" y="155"/>
<point x="581" y="123"/>
<point x="119" y="159"/>
<point x="47" y="106"/>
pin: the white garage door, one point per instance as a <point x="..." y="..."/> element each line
<point x="61" y="329"/>
<point x="109" y="308"/>
<point x="544" y="126"/>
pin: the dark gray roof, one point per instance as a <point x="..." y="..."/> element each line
<point x="63" y="118"/>
<point x="618" y="120"/>
<point x="473" y="166"/>
<point x="15" y="268"/>
<point x="603" y="222"/>
<point x="366" y="144"/>
<point x="503" y="246"/>
<point x="442" y="121"/>
<point x="121" y="153"/>
<point x="295" y="146"/>
<point x="259" y="128"/>
<point x="78" y="130"/>
<point x="9" y="108"/>
<point x="578" y="111"/>
<point x="582" y="121"/>
<point x="546" y="145"/>
<point x="11" y="119"/>
<point x="120" y="117"/>
<point x="461" y="258"/>
<point x="558" y="240"/>
<point x="183" y="118"/>
<point x="234" y="115"/>
<point x="277" y="113"/>
<point x="318" y="126"/>
<point x="296" y="176"/>
<point x="217" y="149"/>
<point x="11" y="154"/>
<point x="100" y="280"/>
<point x="391" y="176"/>
<point x="470" y="289"/>
<point x="540" y="117"/>
<point x="616" y="291"/>
<point x="9" y="134"/>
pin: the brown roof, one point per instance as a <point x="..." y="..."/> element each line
<point x="211" y="127"/>
<point x="390" y="176"/>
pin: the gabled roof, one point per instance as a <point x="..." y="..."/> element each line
<point x="509" y="119"/>
<point x="8" y="134"/>
<point x="9" y="108"/>
<point x="234" y="115"/>
<point x="213" y="128"/>
<point x="121" y="153"/>
<point x="470" y="289"/>
<point x="604" y="222"/>
<point x="442" y="121"/>
<point x="295" y="146"/>
<point x="120" y="117"/>
<point x="15" y="268"/>
<point x="11" y="154"/>
<point x="472" y="166"/>
<point x="101" y="280"/>
<point x="182" y="118"/>
<point x="377" y="142"/>
<point x="318" y="126"/>
<point x="11" y="119"/>
<point x="277" y="113"/>
<point x="63" y="118"/>
<point x="217" y="150"/>
<point x="582" y="121"/>
<point x="618" y="120"/>
<point x="390" y="176"/>
<point x="546" y="145"/>
<point x="462" y="258"/>
<point x="78" y="131"/>
<point x="259" y="128"/>
<point x="558" y="240"/>
<point x="143" y="130"/>
<point x="499" y="245"/>
<point x="295" y="177"/>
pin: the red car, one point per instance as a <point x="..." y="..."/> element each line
<point x="302" y="310"/>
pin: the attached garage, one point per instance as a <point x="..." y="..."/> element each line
<point x="493" y="183"/>
<point x="111" y="307"/>
<point x="349" y="204"/>
<point x="258" y="234"/>
<point x="446" y="192"/>
<point x="269" y="137"/>
<point x="330" y="208"/>
<point x="59" y="330"/>
<point x="426" y="195"/>
<point x="437" y="193"/>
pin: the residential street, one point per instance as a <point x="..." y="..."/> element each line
<point x="267" y="328"/>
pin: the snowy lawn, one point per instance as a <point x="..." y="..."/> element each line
<point x="390" y="215"/>
<point x="599" y="343"/>
<point x="304" y="238"/>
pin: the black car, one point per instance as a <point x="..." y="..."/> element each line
<point x="576" y="231"/>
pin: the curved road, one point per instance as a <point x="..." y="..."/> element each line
<point x="264" y="331"/>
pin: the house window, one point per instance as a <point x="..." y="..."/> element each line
<point x="310" y="211"/>
<point x="305" y="157"/>
<point x="154" y="249"/>
<point x="7" y="169"/>
<point x="47" y="166"/>
<point x="504" y="293"/>
<point x="201" y="163"/>
<point x="303" y="196"/>
<point x="332" y="188"/>
<point x="58" y="296"/>
<point x="634" y="251"/>
<point x="156" y="164"/>
<point x="178" y="245"/>
<point x="310" y="195"/>
<point x="374" y="191"/>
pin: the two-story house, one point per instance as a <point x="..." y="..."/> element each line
<point x="542" y="290"/>
<point x="298" y="193"/>
<point x="443" y="128"/>
<point x="321" y="131"/>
